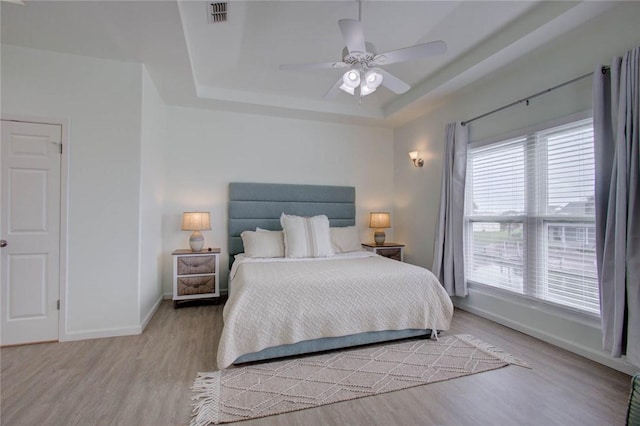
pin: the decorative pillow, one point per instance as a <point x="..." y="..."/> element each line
<point x="306" y="236"/>
<point x="263" y="243"/>
<point x="267" y="230"/>
<point x="274" y="234"/>
<point x="345" y="239"/>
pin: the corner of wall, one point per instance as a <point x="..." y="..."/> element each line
<point x="150" y="243"/>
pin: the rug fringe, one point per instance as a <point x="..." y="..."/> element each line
<point x="207" y="389"/>
<point x="492" y="350"/>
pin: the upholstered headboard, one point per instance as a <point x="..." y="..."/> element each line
<point x="254" y="205"/>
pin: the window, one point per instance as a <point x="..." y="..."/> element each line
<point x="529" y="216"/>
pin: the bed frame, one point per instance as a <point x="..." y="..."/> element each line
<point x="254" y="205"/>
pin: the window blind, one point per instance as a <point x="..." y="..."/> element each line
<point x="530" y="215"/>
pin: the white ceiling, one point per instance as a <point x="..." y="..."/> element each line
<point x="234" y="65"/>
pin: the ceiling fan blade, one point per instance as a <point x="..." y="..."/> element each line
<point x="393" y="83"/>
<point x="319" y="66"/>
<point x="353" y="35"/>
<point x="411" y="53"/>
<point x="335" y="89"/>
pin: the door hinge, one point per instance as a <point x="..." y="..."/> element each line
<point x="58" y="304"/>
<point x="59" y="145"/>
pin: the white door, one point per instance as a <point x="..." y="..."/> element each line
<point x="30" y="228"/>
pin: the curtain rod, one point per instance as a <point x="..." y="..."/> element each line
<point x="535" y="95"/>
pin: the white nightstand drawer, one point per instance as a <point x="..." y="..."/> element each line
<point x="188" y="265"/>
<point x="196" y="285"/>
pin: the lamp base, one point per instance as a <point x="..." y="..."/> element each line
<point x="196" y="241"/>
<point x="379" y="237"/>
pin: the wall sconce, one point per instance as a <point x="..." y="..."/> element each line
<point x="418" y="162"/>
<point x="196" y="222"/>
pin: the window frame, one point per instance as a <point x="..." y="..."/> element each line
<point x="534" y="254"/>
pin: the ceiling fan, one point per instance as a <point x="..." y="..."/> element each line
<point x="364" y="75"/>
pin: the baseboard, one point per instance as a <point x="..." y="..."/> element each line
<point x="100" y="333"/>
<point x="598" y="356"/>
<point x="152" y="311"/>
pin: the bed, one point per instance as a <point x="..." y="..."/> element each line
<point x="283" y="307"/>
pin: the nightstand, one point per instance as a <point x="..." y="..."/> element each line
<point x="195" y="275"/>
<point x="391" y="250"/>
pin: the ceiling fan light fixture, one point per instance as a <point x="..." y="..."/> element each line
<point x="366" y="90"/>
<point x="351" y="79"/>
<point x="349" y="90"/>
<point x="373" y="78"/>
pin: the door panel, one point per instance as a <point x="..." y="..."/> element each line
<point x="30" y="223"/>
<point x="28" y="275"/>
<point x="28" y="213"/>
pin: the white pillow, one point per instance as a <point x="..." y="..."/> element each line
<point x="267" y="230"/>
<point x="306" y="236"/>
<point x="263" y="243"/>
<point x="345" y="239"/>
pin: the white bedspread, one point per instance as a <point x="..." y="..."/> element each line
<point x="280" y="302"/>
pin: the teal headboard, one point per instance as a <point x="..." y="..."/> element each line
<point x="254" y="205"/>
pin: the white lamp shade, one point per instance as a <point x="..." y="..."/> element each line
<point x="373" y="79"/>
<point x="349" y="90"/>
<point x="366" y="90"/>
<point x="380" y="220"/>
<point x="413" y="155"/>
<point x="351" y="79"/>
<point x="196" y="221"/>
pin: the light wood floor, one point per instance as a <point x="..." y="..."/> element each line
<point x="145" y="380"/>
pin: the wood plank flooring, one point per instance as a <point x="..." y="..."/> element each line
<point x="145" y="380"/>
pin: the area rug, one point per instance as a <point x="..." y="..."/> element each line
<point x="266" y="389"/>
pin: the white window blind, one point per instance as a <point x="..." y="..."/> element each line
<point x="530" y="216"/>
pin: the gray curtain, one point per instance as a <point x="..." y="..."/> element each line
<point x="448" y="252"/>
<point x="616" y="112"/>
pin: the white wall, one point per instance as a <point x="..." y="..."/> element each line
<point x="102" y="101"/>
<point x="208" y="149"/>
<point x="417" y="191"/>
<point x="151" y="198"/>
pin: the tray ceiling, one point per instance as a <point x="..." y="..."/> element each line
<point x="234" y="64"/>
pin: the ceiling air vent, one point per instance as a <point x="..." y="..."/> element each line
<point x="218" y="12"/>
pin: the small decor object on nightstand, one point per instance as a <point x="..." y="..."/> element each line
<point x="196" y="222"/>
<point x="391" y="250"/>
<point x="195" y="275"/>
<point x="379" y="221"/>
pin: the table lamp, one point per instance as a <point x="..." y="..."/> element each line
<point x="379" y="221"/>
<point x="196" y="222"/>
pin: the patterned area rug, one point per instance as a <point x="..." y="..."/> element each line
<point x="278" y="387"/>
